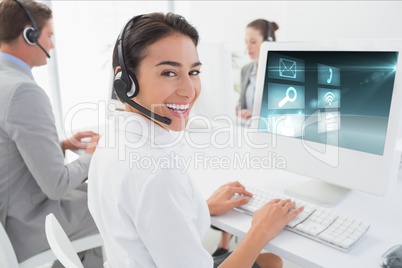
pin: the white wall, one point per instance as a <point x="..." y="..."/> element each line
<point x="85" y="32"/>
<point x="224" y="21"/>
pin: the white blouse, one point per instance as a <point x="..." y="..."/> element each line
<point x="250" y="90"/>
<point x="146" y="207"/>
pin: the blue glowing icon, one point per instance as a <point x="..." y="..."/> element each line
<point x="329" y="98"/>
<point x="287" y="68"/>
<point x="287" y="98"/>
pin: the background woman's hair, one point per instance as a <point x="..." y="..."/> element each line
<point x="266" y="28"/>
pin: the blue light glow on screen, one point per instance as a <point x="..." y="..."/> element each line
<point x="332" y="97"/>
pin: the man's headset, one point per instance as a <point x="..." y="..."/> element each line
<point x="125" y="83"/>
<point x="31" y="33"/>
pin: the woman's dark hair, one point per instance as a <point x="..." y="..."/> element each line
<point x="147" y="30"/>
<point x="266" y="28"/>
<point x="13" y="18"/>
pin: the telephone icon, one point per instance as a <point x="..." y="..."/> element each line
<point x="330" y="76"/>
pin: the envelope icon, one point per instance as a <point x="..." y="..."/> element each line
<point x="287" y="68"/>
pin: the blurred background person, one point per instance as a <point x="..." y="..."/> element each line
<point x="257" y="32"/>
<point x="34" y="179"/>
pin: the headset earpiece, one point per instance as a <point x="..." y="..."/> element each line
<point x="125" y="85"/>
<point x="268" y="31"/>
<point x="119" y="85"/>
<point x="134" y="88"/>
<point x="30" y="35"/>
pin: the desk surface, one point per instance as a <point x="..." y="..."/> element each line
<point x="383" y="213"/>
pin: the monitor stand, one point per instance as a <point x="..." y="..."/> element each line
<point x="318" y="192"/>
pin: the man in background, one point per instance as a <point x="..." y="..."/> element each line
<point x="34" y="180"/>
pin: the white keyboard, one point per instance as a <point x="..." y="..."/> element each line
<point x="317" y="223"/>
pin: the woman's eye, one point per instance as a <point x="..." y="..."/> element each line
<point x="195" y="72"/>
<point x="169" y="73"/>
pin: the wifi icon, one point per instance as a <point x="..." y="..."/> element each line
<point x="329" y="97"/>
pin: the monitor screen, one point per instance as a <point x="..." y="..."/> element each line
<point x="331" y="111"/>
<point x="335" y="97"/>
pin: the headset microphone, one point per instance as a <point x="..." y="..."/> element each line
<point x="31" y="33"/>
<point x="123" y="96"/>
<point x="126" y="85"/>
<point x="39" y="45"/>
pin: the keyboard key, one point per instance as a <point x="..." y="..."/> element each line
<point x="311" y="227"/>
<point x="307" y="211"/>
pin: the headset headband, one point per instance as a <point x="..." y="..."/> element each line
<point x="120" y="49"/>
<point x="28" y="15"/>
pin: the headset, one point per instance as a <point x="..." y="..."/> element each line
<point x="125" y="83"/>
<point x="269" y="31"/>
<point x="31" y="33"/>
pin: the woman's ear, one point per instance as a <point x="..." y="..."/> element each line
<point x="117" y="69"/>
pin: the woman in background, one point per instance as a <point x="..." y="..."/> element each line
<point x="257" y="32"/>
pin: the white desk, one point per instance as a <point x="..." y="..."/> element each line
<point x="383" y="213"/>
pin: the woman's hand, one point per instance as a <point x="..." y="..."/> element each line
<point x="75" y="142"/>
<point x="269" y="220"/>
<point x="221" y="200"/>
<point x="244" y="113"/>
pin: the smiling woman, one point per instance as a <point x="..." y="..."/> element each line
<point x="141" y="198"/>
<point x="171" y="87"/>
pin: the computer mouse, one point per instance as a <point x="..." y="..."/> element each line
<point x="392" y="258"/>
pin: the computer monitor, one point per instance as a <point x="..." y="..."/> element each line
<point x="332" y="112"/>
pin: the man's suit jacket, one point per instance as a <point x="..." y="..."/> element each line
<point x="244" y="81"/>
<point x="34" y="179"/>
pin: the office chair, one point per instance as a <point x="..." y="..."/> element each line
<point x="61" y="244"/>
<point x="62" y="247"/>
<point x="8" y="258"/>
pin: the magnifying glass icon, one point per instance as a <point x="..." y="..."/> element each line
<point x="287" y="98"/>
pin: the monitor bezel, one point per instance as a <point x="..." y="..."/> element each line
<point x="350" y="169"/>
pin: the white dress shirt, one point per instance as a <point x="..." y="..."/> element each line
<point x="145" y="205"/>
